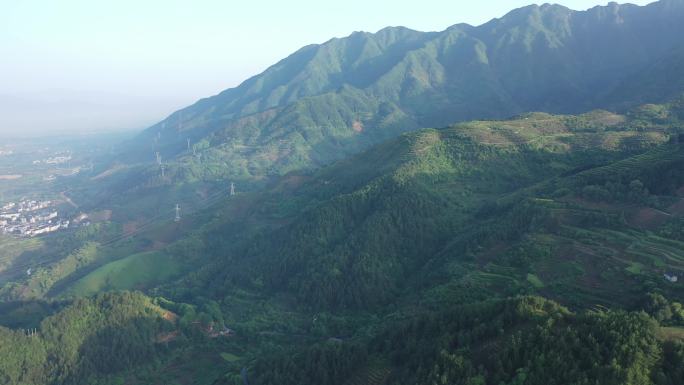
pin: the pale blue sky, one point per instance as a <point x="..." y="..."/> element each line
<point x="95" y="64"/>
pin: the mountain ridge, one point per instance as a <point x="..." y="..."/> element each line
<point x="330" y="100"/>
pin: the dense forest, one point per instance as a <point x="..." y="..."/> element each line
<point x="525" y="340"/>
<point x="87" y="339"/>
<point x="463" y="259"/>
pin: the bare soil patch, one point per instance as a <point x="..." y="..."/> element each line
<point x="357" y="126"/>
<point x="647" y="218"/>
<point x="677" y="208"/>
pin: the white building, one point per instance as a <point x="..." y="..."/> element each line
<point x="671" y="278"/>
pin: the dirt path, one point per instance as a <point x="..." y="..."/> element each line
<point x="10" y="177"/>
<point x="68" y="200"/>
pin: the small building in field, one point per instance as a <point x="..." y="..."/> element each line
<point x="671" y="278"/>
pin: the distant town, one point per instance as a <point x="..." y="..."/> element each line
<point x="58" y="159"/>
<point x="30" y="218"/>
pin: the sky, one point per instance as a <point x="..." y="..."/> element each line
<point x="89" y="65"/>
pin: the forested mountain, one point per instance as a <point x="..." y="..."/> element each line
<point x="526" y="340"/>
<point x="359" y="233"/>
<point x="378" y="234"/>
<point x="412" y="262"/>
<point x="583" y="209"/>
<point x="330" y="100"/>
<point x="88" y="339"/>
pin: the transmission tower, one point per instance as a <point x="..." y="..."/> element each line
<point x="232" y="188"/>
<point x="162" y="170"/>
<point x="188" y="144"/>
<point x="177" y="219"/>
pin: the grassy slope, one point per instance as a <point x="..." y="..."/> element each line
<point x="135" y="272"/>
<point x="14" y="247"/>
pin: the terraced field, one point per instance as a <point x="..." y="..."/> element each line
<point x="376" y="373"/>
<point x="660" y="156"/>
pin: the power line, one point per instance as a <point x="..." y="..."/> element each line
<point x="206" y="202"/>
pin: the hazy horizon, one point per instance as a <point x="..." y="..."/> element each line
<point x="79" y="67"/>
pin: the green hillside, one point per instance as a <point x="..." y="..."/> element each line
<point x="526" y="340"/>
<point x="381" y="268"/>
<point x="90" y="338"/>
<point x="137" y="271"/>
<point x="330" y="101"/>
<point x="327" y="101"/>
<point x="340" y="219"/>
<point x="366" y="230"/>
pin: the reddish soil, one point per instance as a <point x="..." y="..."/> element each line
<point x="293" y="181"/>
<point x="677" y="208"/>
<point x="254" y="120"/>
<point x="108" y="172"/>
<point x="158" y="245"/>
<point x="581" y="254"/>
<point x="592" y="205"/>
<point x="357" y="126"/>
<point x="170" y="316"/>
<point x="647" y="218"/>
<point x="167" y="337"/>
<point x="100" y="216"/>
<point x="639" y="217"/>
<point x="130" y="227"/>
<point x="609" y="118"/>
<point x="492" y="253"/>
<point x="203" y="193"/>
<point x="680" y="191"/>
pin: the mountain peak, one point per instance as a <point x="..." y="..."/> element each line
<point x="530" y="14"/>
<point x="328" y="100"/>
